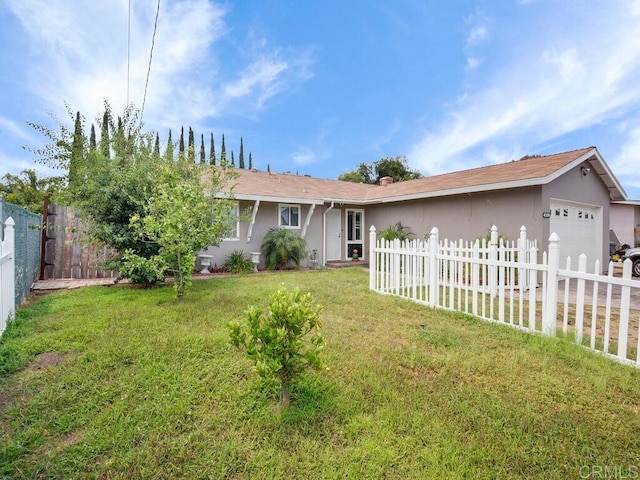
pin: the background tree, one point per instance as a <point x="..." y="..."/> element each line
<point x="362" y="174"/>
<point x="191" y="149"/>
<point x="181" y="145"/>
<point x="250" y="162"/>
<point x="105" y="146"/>
<point x="223" y="153"/>
<point x="28" y="191"/>
<point x="371" y="173"/>
<point x="241" y="155"/>
<point x="156" y="146"/>
<point x="169" y="151"/>
<point x="92" y="138"/>
<point x="212" y="151"/>
<point x="203" y="157"/>
<point x="233" y="161"/>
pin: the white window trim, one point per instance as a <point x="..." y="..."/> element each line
<point x="237" y="237"/>
<point x="290" y="206"/>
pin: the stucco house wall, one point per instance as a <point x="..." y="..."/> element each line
<point x="466" y="216"/>
<point x="624" y="220"/>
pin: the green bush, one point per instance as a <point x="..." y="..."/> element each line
<point x="283" y="248"/>
<point x="276" y="341"/>
<point x="397" y="231"/>
<point x="238" y="262"/>
<point x="144" y="271"/>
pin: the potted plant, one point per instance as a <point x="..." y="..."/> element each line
<point x="355" y="256"/>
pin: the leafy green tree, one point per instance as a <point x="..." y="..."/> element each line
<point x="282" y="247"/>
<point x="362" y="174"/>
<point x="285" y="342"/>
<point x="182" y="219"/>
<point x="371" y="173"/>
<point x="29" y="191"/>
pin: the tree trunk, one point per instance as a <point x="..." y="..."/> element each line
<point x="284" y="394"/>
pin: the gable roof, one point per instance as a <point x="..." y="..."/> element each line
<point x="529" y="171"/>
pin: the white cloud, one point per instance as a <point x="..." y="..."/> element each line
<point x="304" y="156"/>
<point x="83" y="61"/>
<point x="549" y="85"/>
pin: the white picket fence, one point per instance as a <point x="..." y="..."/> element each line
<point x="7" y="275"/>
<point x="503" y="282"/>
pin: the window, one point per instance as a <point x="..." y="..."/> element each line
<point x="289" y="216"/>
<point x="234" y="233"/>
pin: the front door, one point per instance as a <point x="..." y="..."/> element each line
<point x="334" y="227"/>
<point x="355" y="234"/>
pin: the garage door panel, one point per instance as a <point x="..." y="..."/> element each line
<point x="578" y="227"/>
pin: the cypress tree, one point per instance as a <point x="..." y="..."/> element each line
<point x="191" y="153"/>
<point x="241" y="155"/>
<point x="77" y="149"/>
<point x="233" y="162"/>
<point x="181" y="145"/>
<point x="250" y="162"/>
<point x="223" y="153"/>
<point x="203" y="158"/>
<point x="169" y="152"/>
<point x="92" y="139"/>
<point x="156" y="146"/>
<point x="104" y="135"/>
<point x="268" y="168"/>
<point x="212" y="152"/>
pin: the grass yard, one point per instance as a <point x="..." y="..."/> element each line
<point x="118" y="382"/>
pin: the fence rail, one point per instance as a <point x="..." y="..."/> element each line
<point x="7" y="275"/>
<point x="503" y="282"/>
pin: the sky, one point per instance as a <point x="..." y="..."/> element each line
<point x="317" y="87"/>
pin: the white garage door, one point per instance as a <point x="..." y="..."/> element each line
<point x="580" y="230"/>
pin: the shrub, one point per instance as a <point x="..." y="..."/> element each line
<point x="397" y="231"/>
<point x="281" y="248"/>
<point x="238" y="262"/>
<point x="141" y="270"/>
<point x="276" y="341"/>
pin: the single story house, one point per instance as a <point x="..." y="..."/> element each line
<point x="625" y="223"/>
<point x="569" y="193"/>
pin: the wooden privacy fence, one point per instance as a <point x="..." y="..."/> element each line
<point x="7" y="275"/>
<point x="503" y="282"/>
<point x="67" y="251"/>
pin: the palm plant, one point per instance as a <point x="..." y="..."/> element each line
<point x="397" y="231"/>
<point x="281" y="247"/>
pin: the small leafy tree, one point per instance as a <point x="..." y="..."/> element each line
<point x="182" y="219"/>
<point x="281" y="247"/>
<point x="284" y="342"/>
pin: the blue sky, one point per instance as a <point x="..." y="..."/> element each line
<point x="317" y="87"/>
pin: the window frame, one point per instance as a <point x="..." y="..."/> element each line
<point x="235" y="211"/>
<point x="290" y="207"/>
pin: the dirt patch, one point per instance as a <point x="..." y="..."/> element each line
<point x="46" y="359"/>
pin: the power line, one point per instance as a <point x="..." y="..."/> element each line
<point x="128" y="51"/>
<point x="153" y="41"/>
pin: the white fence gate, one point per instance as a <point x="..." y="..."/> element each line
<point x="7" y="275"/>
<point x="503" y="282"/>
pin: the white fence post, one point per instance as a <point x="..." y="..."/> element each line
<point x="493" y="256"/>
<point x="434" y="288"/>
<point x="373" y="268"/>
<point x="7" y="275"/>
<point x="522" y="258"/>
<point x="550" y="312"/>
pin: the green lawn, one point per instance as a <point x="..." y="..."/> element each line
<point x="118" y="382"/>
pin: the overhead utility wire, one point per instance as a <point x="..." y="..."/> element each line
<point x="153" y="41"/>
